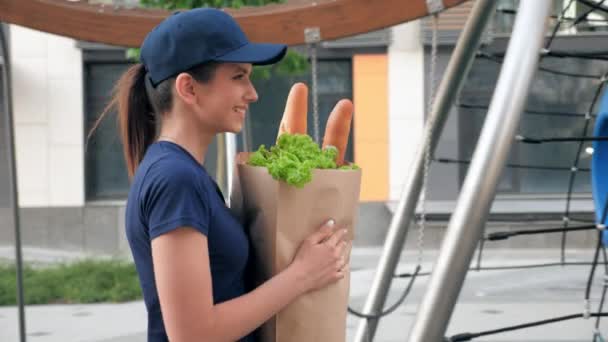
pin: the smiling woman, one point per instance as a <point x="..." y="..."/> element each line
<point x="190" y="252"/>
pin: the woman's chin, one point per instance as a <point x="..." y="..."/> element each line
<point x="237" y="128"/>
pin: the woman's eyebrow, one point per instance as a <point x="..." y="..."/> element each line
<point x="242" y="69"/>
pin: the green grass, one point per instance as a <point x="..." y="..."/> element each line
<point x="88" y="281"/>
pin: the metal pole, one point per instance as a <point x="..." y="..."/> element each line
<point x="220" y="161"/>
<point x="230" y="150"/>
<point x="491" y="153"/>
<point x="453" y="79"/>
<point x="8" y="107"/>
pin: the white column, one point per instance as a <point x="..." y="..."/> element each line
<point x="406" y="101"/>
<point x="47" y="83"/>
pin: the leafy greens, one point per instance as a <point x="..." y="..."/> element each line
<point x="294" y="157"/>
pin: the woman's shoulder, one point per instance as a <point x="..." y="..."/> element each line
<point x="168" y="192"/>
<point x="164" y="164"/>
<point x="173" y="172"/>
<point x="165" y="174"/>
<point x="170" y="180"/>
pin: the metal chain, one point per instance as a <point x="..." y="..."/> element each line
<point x="434" y="6"/>
<point x="315" y="91"/>
<point x="427" y="143"/>
<point x="312" y="37"/>
<point x="490" y="32"/>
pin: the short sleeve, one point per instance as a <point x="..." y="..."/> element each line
<point x="175" y="197"/>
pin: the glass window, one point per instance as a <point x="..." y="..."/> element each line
<point x="549" y="93"/>
<point x="105" y="170"/>
<point x="596" y="21"/>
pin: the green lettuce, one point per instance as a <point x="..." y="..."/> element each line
<point x="294" y="157"/>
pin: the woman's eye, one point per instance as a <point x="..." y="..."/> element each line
<point x="239" y="76"/>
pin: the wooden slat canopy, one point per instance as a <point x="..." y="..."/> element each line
<point x="279" y="23"/>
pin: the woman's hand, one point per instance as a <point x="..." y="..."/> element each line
<point x="321" y="258"/>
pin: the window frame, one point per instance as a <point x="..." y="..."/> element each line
<point x="93" y="53"/>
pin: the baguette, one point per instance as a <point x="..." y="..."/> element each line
<point x="337" y="129"/>
<point x="296" y="111"/>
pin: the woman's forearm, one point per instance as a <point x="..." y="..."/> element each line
<point x="238" y="317"/>
<point x="186" y="295"/>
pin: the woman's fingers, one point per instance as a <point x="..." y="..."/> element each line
<point x="342" y="249"/>
<point x="342" y="265"/>
<point x="336" y="237"/>
<point x="324" y="233"/>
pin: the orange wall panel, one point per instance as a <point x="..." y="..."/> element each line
<point x="370" y="124"/>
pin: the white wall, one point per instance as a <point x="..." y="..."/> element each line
<point x="406" y="102"/>
<point x="47" y="84"/>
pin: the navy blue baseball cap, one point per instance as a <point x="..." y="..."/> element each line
<point x="187" y="39"/>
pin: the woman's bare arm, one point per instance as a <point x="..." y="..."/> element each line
<point x="183" y="281"/>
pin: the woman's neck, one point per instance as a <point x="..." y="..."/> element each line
<point x="188" y="136"/>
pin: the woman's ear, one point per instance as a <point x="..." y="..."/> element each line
<point x="185" y="88"/>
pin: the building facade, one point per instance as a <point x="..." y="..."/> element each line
<point x="72" y="187"/>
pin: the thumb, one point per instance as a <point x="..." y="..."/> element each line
<point x="324" y="232"/>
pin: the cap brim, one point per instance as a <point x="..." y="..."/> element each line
<point x="255" y="53"/>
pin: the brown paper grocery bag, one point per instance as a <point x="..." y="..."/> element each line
<point x="279" y="217"/>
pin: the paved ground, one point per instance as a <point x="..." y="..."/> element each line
<point x="489" y="300"/>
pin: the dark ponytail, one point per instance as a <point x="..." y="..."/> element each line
<point x="137" y="121"/>
<point x="136" y="118"/>
<point x="137" y="102"/>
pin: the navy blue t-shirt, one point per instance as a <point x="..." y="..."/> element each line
<point x="171" y="189"/>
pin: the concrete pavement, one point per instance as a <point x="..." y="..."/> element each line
<point x="489" y="300"/>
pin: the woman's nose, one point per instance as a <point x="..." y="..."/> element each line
<point x="252" y="94"/>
